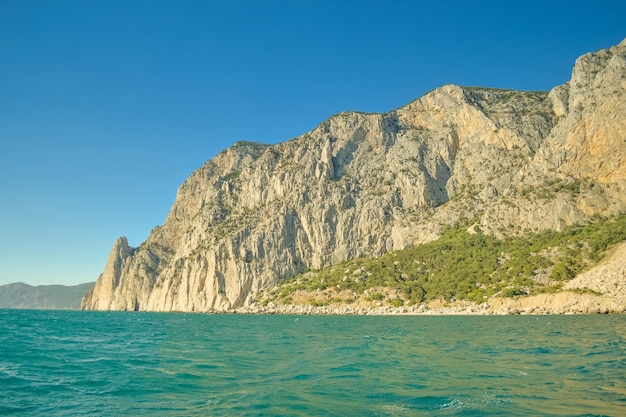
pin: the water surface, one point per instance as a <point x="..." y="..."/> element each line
<point x="77" y="363"/>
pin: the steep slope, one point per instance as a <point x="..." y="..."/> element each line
<point x="361" y="185"/>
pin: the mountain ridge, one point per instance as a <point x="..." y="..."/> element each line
<point x="46" y="297"/>
<point x="365" y="184"/>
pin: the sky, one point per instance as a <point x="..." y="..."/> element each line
<point x="106" y="107"/>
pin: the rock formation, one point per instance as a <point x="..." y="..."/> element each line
<point x="360" y="185"/>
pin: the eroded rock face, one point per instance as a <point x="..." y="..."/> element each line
<point x="365" y="184"/>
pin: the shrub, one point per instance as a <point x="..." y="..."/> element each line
<point x="376" y="296"/>
<point x="396" y="302"/>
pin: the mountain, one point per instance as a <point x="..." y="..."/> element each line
<point x="362" y="185"/>
<point x="45" y="297"/>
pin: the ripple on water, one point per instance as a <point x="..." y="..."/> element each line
<point x="144" y="364"/>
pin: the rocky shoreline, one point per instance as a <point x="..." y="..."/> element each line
<point x="559" y="303"/>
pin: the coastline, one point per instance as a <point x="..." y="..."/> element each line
<point x="558" y="303"/>
<point x="600" y="290"/>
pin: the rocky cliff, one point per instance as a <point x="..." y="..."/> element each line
<point x="360" y="185"/>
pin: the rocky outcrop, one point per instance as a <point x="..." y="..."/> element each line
<point x="559" y="303"/>
<point x="608" y="278"/>
<point x="360" y="185"/>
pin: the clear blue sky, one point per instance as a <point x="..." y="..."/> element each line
<point x="107" y="106"/>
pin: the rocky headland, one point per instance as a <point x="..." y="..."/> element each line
<point x="359" y="186"/>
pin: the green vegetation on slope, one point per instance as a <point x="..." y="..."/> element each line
<point x="465" y="264"/>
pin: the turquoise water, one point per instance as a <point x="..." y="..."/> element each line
<point x="74" y="363"/>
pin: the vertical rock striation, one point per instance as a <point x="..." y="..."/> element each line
<point x="360" y="185"/>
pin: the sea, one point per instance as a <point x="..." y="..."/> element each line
<point x="83" y="363"/>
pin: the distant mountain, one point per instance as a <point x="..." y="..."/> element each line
<point x="45" y="297"/>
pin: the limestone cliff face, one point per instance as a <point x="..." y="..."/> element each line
<point x="365" y="184"/>
<point x="589" y="141"/>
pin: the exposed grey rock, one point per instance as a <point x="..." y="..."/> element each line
<point x="366" y="184"/>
